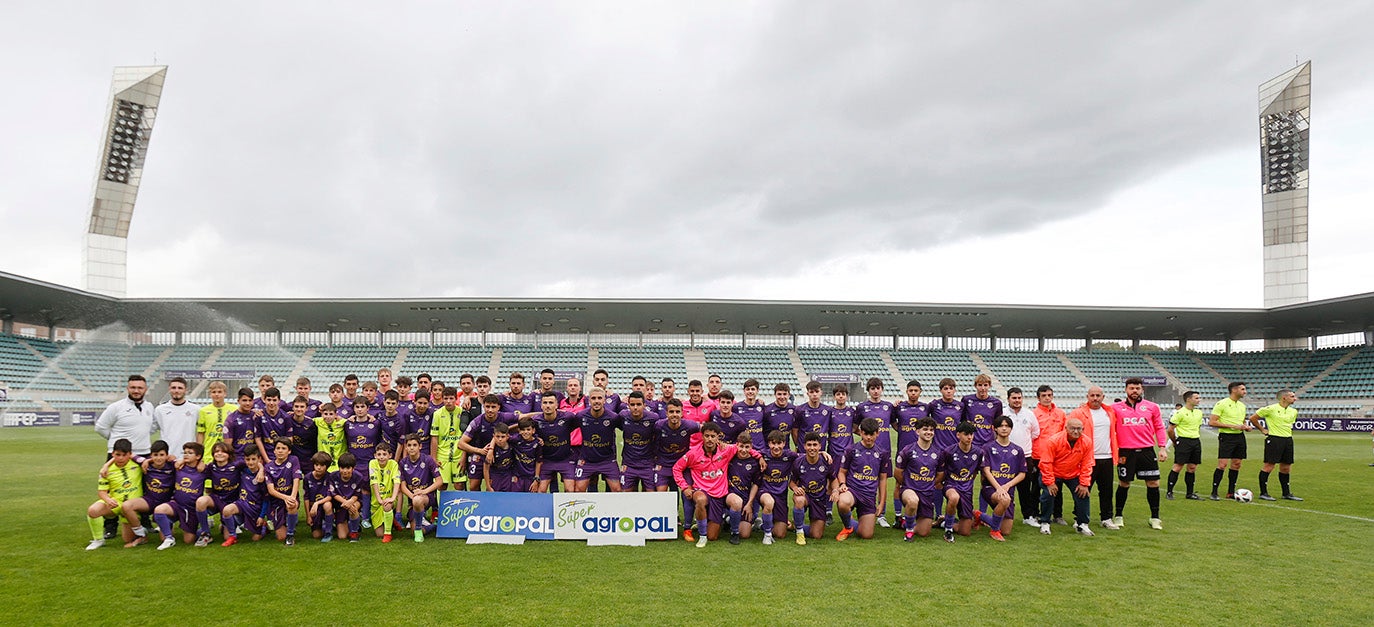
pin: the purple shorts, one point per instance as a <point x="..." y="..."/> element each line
<point x="864" y="503"/>
<point x="318" y="522"/>
<point x="248" y="515"/>
<point x="220" y="501"/>
<point x="588" y="471"/>
<point x="782" y="504"/>
<point x="965" y="503"/>
<point x="926" y="507"/>
<point x="524" y="484"/>
<point x="562" y="467"/>
<point x="641" y="478"/>
<point x="505" y="484"/>
<point x="986" y="499"/>
<point x="715" y="509"/>
<point x="474" y="465"/>
<point x="185" y="517"/>
<point x="153" y="499"/>
<point x="818" y="506"/>
<point x="276" y="512"/>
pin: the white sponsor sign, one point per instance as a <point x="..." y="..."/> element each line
<point x="589" y="515"/>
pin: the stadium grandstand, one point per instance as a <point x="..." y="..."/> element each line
<point x="68" y="351"/>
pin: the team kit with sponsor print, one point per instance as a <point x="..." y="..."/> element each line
<point x="377" y="459"/>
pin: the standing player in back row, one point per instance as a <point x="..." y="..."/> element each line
<point x="1278" y="442"/>
<point x="981" y="408"/>
<point x="906" y="415"/>
<point x="882" y="411"/>
<point x="1139" y="429"/>
<point x="1228" y="416"/>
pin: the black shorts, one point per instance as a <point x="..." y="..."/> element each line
<point x="1188" y="451"/>
<point x="1278" y="450"/>
<point x="1136" y="463"/>
<point x="1230" y="446"/>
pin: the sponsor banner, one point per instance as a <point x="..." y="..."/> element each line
<point x="585" y="515"/>
<point x="84" y="418"/>
<point x="1334" y="424"/>
<point x="193" y="375"/>
<point x="835" y="377"/>
<point x="495" y="513"/>
<point x="32" y="419"/>
<point x="1151" y="380"/>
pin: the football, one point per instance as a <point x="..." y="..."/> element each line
<point x="1244" y="496"/>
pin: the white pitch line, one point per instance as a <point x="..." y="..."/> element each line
<point x="1316" y="511"/>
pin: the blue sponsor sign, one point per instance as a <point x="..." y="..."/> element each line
<point x="835" y="377"/>
<point x="462" y="514"/>
<point x="1151" y="380"/>
<point x="32" y="419"/>
<point x="1361" y="425"/>
<point x="83" y="418"/>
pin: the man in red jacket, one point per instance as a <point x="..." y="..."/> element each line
<point x="1068" y="463"/>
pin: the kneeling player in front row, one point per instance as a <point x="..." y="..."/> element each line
<point x="348" y="488"/>
<point x="246" y="512"/>
<point x="283" y="492"/>
<point x="419" y="479"/>
<point x="384" y="474"/>
<point x="814" y="484"/>
<point x="120" y="483"/>
<point x="743" y="476"/>
<point x="319" y="497"/>
<point x="223" y="490"/>
<point x="188" y="488"/>
<point x="916" y="468"/>
<point x="862" y="482"/>
<point x="1004" y="466"/>
<point x="959" y="465"/>
<point x="708" y="487"/>
<point x="159" y="475"/>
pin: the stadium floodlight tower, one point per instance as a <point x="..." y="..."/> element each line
<point x="134" y="97"/>
<point x="1285" y="113"/>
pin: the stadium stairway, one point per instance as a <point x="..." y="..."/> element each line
<point x="1074" y="370"/>
<point x="151" y="370"/>
<point x="1337" y="365"/>
<point x="997" y="388"/>
<point x="48" y="363"/>
<point x="494" y="369"/>
<point x="696" y="364"/>
<point x="199" y="391"/>
<point x="400" y="360"/>
<point x="1174" y="382"/>
<point x="800" y="369"/>
<point x="593" y="361"/>
<point x="892" y="369"/>
<point x="298" y="369"/>
<point x="1210" y="370"/>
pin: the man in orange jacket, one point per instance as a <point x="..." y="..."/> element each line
<point x="1051" y="419"/>
<point x="1068" y="464"/>
<point x="1099" y="425"/>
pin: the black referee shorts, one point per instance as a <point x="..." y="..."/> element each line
<point x="1230" y="446"/>
<point x="1188" y="451"/>
<point x="1278" y="450"/>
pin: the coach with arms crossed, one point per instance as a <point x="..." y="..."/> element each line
<point x="130" y="418"/>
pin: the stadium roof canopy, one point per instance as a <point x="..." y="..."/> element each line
<point x="37" y="302"/>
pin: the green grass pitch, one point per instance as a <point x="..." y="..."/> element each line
<point x="1214" y="563"/>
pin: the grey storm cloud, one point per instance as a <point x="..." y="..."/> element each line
<point x="499" y="149"/>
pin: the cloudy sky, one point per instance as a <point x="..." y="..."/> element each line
<point x="1066" y="153"/>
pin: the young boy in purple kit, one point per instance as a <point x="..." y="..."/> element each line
<point x="188" y="488"/>
<point x="813" y="483"/>
<point x="774" y="481"/>
<point x="419" y="480"/>
<point x="529" y="456"/>
<point x="498" y="470"/>
<point x="349" y="490"/>
<point x="862" y="482"/>
<point x="1004" y="466"/>
<point x="283" y="491"/>
<point x="916" y="469"/>
<point x="319" y="497"/>
<point x="742" y="475"/>
<point x="958" y="467"/>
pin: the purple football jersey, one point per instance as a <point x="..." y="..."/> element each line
<point x="813" y="420"/>
<point x="815" y="477"/>
<point x="190" y="485"/>
<point x="598" y="436"/>
<point x="418" y="474"/>
<point x="503" y="464"/>
<point x="730" y="427"/>
<point x="960" y="467"/>
<point x="779" y="418"/>
<point x="241" y="431"/>
<point x="417" y="422"/>
<point x="316" y="488"/>
<point x="638" y="448"/>
<point x="742" y="475"/>
<point x="981" y="412"/>
<point x="480" y="429"/>
<point x="774" y="478"/>
<point x="752" y="415"/>
<point x="904" y="420"/>
<point x="394" y="428"/>
<point x="919" y="467"/>
<point x="250" y="489"/>
<point x="614" y="404"/>
<point x="282" y="475"/>
<point x="362" y="437"/>
<point x="525" y="403"/>
<point x="347" y="488"/>
<point x="1005" y="462"/>
<point x="863" y="467"/>
<point x="657" y="407"/>
<point x="947" y="417"/>
<point x="158" y="482"/>
<point x="224" y="480"/>
<point x="528" y="454"/>
<point x="841" y="431"/>
<point x="271" y="427"/>
<point x="882" y="412"/>
<point x="673" y="442"/>
<point x="304" y="439"/>
<point x="557" y="435"/>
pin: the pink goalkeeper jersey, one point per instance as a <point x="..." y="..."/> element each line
<point x="708" y="471"/>
<point x="1139" y="426"/>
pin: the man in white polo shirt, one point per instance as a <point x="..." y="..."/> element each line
<point x="1024" y="429"/>
<point x="127" y="418"/>
<point x="176" y="419"/>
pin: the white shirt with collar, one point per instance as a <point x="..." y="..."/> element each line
<point x="176" y="423"/>
<point x="124" y="419"/>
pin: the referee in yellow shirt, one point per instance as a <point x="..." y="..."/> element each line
<point x="1278" y="442"/>
<point x="1185" y="429"/>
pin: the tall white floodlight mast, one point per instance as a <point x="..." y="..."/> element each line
<point x="1285" y="115"/>
<point x="134" y="97"/>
